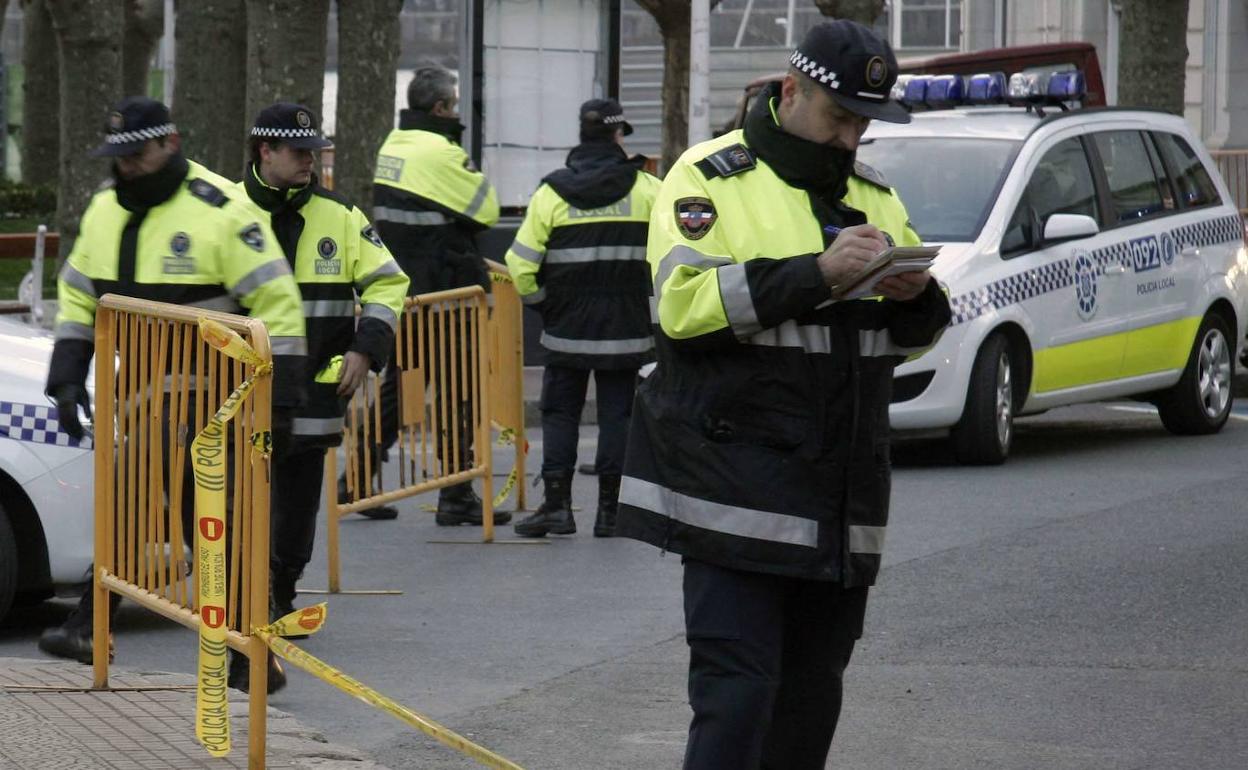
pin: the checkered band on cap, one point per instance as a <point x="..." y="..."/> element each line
<point x="140" y="135"/>
<point x="284" y="133"/>
<point x="814" y="69"/>
<point x="609" y="119"/>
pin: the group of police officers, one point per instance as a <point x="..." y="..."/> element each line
<point x="758" y="447"/>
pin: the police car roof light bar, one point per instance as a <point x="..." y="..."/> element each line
<point x="945" y="91"/>
<point x="1067" y="86"/>
<point x="986" y="88"/>
<point x="916" y="91"/>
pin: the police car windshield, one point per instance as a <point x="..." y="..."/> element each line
<point x="946" y="183"/>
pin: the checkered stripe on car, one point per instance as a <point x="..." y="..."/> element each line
<point x="37" y="424"/>
<point x="1011" y="290"/>
<point x="1209" y="231"/>
<point x="1113" y="254"/>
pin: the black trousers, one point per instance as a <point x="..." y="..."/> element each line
<point x="767" y="654"/>
<point x="298" y="475"/>
<point x="563" y="398"/>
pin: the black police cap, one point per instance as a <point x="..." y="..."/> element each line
<point x="291" y="124"/>
<point x="131" y="123"/>
<point x="855" y="65"/>
<point x="604" y="112"/>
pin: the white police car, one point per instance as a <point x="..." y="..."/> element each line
<point x="1088" y="254"/>
<point x="46" y="478"/>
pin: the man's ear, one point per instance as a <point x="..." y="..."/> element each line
<point x="788" y="88"/>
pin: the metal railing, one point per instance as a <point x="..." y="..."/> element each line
<point x="156" y="385"/>
<point x="1233" y="166"/>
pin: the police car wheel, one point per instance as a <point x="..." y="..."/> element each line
<point x="986" y="430"/>
<point x="8" y="564"/>
<point x="1201" y="400"/>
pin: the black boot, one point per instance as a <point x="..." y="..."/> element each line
<point x="608" y="504"/>
<point x="282" y="582"/>
<point x="380" y="513"/>
<point x="554" y="515"/>
<point x="239" y="673"/>
<point x="459" y="504"/>
<point x="72" y="639"/>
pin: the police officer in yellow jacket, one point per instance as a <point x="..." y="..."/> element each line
<point x="759" y="445"/>
<point x="579" y="259"/>
<point x="335" y="255"/>
<point x="169" y="230"/>
<point x="428" y="203"/>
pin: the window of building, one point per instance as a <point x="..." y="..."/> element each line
<point x="927" y="23"/>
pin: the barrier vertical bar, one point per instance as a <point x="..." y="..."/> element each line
<point x="482" y="423"/>
<point x="105" y="487"/>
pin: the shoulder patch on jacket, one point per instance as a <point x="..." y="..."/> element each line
<point x="733" y="159"/>
<point x="253" y="236"/>
<point x="868" y="174"/>
<point x="207" y="192"/>
<point x="694" y="217"/>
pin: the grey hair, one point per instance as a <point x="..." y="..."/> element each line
<point x="429" y="86"/>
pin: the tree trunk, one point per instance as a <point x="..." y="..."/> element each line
<point x="89" y="36"/>
<point x="286" y="53"/>
<point x="145" y="22"/>
<point x="41" y="107"/>
<point x="861" y="11"/>
<point x="1152" y="54"/>
<point x="209" y="106"/>
<point x="368" y="55"/>
<point x="673" y="17"/>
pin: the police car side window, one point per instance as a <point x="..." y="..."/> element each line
<point x="1060" y="184"/>
<point x="1195" y="187"/>
<point x="1134" y="188"/>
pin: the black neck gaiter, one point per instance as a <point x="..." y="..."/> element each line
<point x="817" y="168"/>
<point x="420" y="120"/>
<point x="283" y="203"/>
<point x="150" y="190"/>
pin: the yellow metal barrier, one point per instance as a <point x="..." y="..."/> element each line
<point x="506" y="332"/>
<point x="157" y="383"/>
<point x="1233" y="165"/>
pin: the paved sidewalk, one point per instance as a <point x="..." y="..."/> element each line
<point x="49" y="718"/>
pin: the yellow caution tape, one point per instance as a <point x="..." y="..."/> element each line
<point x="507" y="437"/>
<point x="272" y="636"/>
<point x="209" y="450"/>
<point x="308" y="620"/>
<point x="500" y="277"/>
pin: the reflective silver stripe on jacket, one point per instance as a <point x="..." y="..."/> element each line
<point x="259" y="277"/>
<point x="598" y="347"/>
<point x="328" y="308"/>
<point x="683" y="255"/>
<point x="389" y="267"/>
<point x="596" y="254"/>
<point x="534" y="298"/>
<point x="478" y="198"/>
<point x="526" y="253"/>
<point x="289" y="346"/>
<point x="734" y="291"/>
<point x="654" y="309"/>
<point x="405" y="217"/>
<point x="717" y="517"/>
<point x="863" y="539"/>
<point x="811" y="338"/>
<point x="78" y="280"/>
<point x="316" y="426"/>
<point x="381" y="313"/>
<point x="878" y="342"/>
<point x="72" y="330"/>
<point x="224" y="303"/>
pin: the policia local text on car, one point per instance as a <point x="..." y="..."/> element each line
<point x="758" y="448"/>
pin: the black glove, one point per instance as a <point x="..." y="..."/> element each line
<point x="68" y="398"/>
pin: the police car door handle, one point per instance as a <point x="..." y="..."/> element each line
<point x="1115" y="269"/>
<point x="1190" y="251"/>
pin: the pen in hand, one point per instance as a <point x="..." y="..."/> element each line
<point x="834" y="231"/>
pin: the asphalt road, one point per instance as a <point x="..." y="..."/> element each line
<point x="1083" y="606"/>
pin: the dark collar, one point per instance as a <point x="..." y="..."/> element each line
<point x="818" y="168"/>
<point x="271" y="198"/>
<point x="420" y="120"/>
<point x="151" y="190"/>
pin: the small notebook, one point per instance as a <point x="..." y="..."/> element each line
<point x="890" y="261"/>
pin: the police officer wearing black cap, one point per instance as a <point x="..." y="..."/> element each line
<point x="758" y="448"/>
<point x="167" y="229"/>
<point x="336" y="256"/>
<point x="579" y="259"/>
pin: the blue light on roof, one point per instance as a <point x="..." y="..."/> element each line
<point x="1067" y="86"/>
<point x="986" y="88"/>
<point x="916" y="90"/>
<point x="944" y="91"/>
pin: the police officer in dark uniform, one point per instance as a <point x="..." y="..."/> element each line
<point x="335" y="255"/>
<point x="429" y="202"/>
<point x="580" y="260"/>
<point x="168" y="229"/>
<point x="758" y="448"/>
